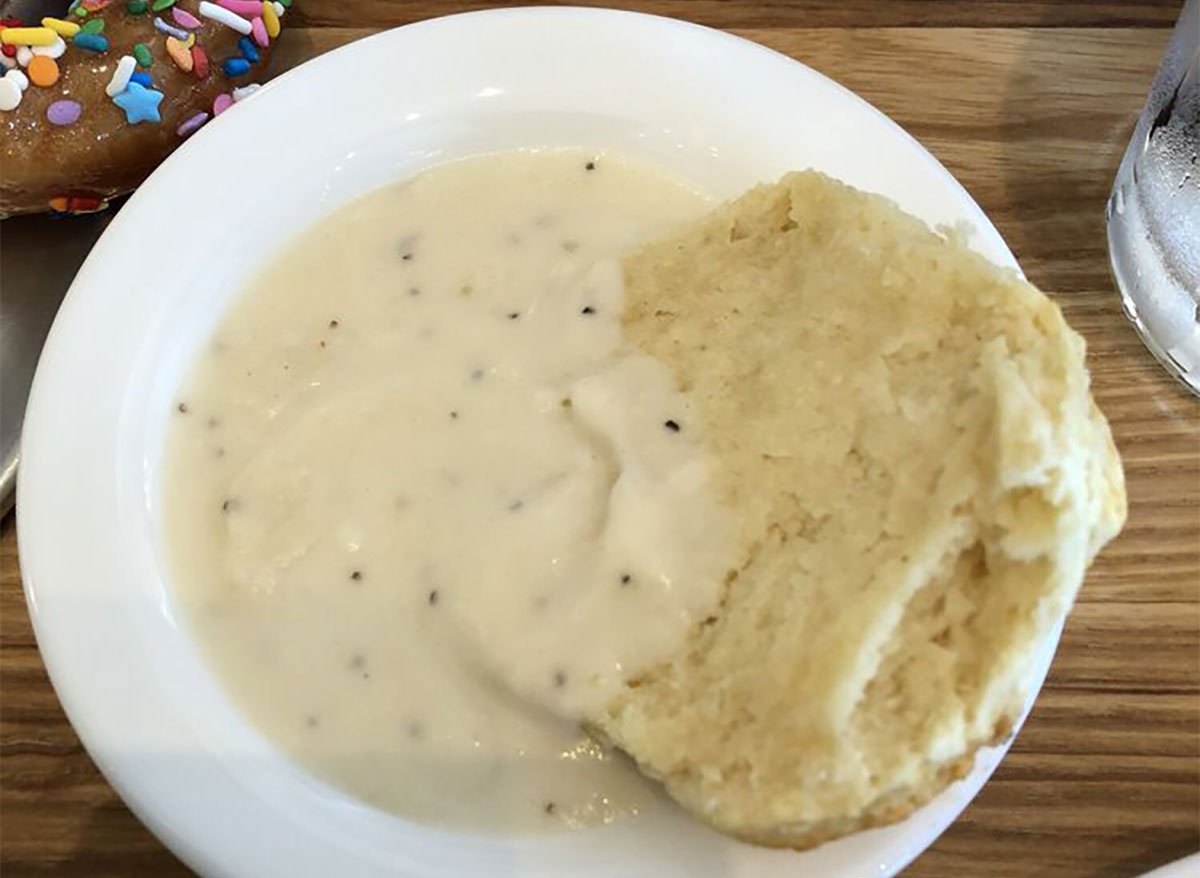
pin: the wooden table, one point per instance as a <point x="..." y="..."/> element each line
<point x="1030" y="104"/>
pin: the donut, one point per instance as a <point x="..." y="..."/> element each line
<point x="91" y="102"/>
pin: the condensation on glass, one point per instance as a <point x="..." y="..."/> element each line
<point x="1154" y="210"/>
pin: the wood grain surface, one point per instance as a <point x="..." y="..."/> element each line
<point x="1030" y="104"/>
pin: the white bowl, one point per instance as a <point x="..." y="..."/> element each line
<point x="720" y="110"/>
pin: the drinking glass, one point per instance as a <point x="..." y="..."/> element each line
<point x="1154" y="210"/>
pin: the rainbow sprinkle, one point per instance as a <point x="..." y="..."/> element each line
<point x="31" y="36"/>
<point x="63" y="112"/>
<point x="192" y="124"/>
<point x="139" y="103"/>
<point x="170" y="29"/>
<point x="66" y="29"/>
<point x="225" y="17"/>
<point x="246" y="47"/>
<point x="184" y="19"/>
<point x="121" y="75"/>
<point x="91" y="42"/>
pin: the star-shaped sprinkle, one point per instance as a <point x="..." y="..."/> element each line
<point x="139" y="103"/>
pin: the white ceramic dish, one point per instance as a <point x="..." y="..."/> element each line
<point x="1188" y="867"/>
<point x="723" y="111"/>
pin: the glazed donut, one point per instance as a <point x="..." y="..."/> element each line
<point x="91" y="102"/>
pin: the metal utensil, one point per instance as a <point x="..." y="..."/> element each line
<point x="39" y="256"/>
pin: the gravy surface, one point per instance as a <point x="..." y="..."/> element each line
<point x="423" y="506"/>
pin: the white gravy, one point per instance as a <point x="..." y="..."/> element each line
<point x="424" y="509"/>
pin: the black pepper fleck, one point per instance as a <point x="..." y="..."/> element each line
<point x="590" y="166"/>
<point x="230" y="504"/>
<point x="549" y="807"/>
<point x="626" y="579"/>
<point x="356" y="575"/>
<point x="588" y="310"/>
<point x="183" y="408"/>
<point x="333" y="324"/>
<point x="672" y="425"/>
<point x="476" y="374"/>
<point x="516" y="506"/>
<point x="433" y="598"/>
<point x="407" y="257"/>
<point x="560" y="679"/>
<point x="514" y="315"/>
<point x="358" y="662"/>
<point x="454" y="416"/>
<point x="321" y="342"/>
